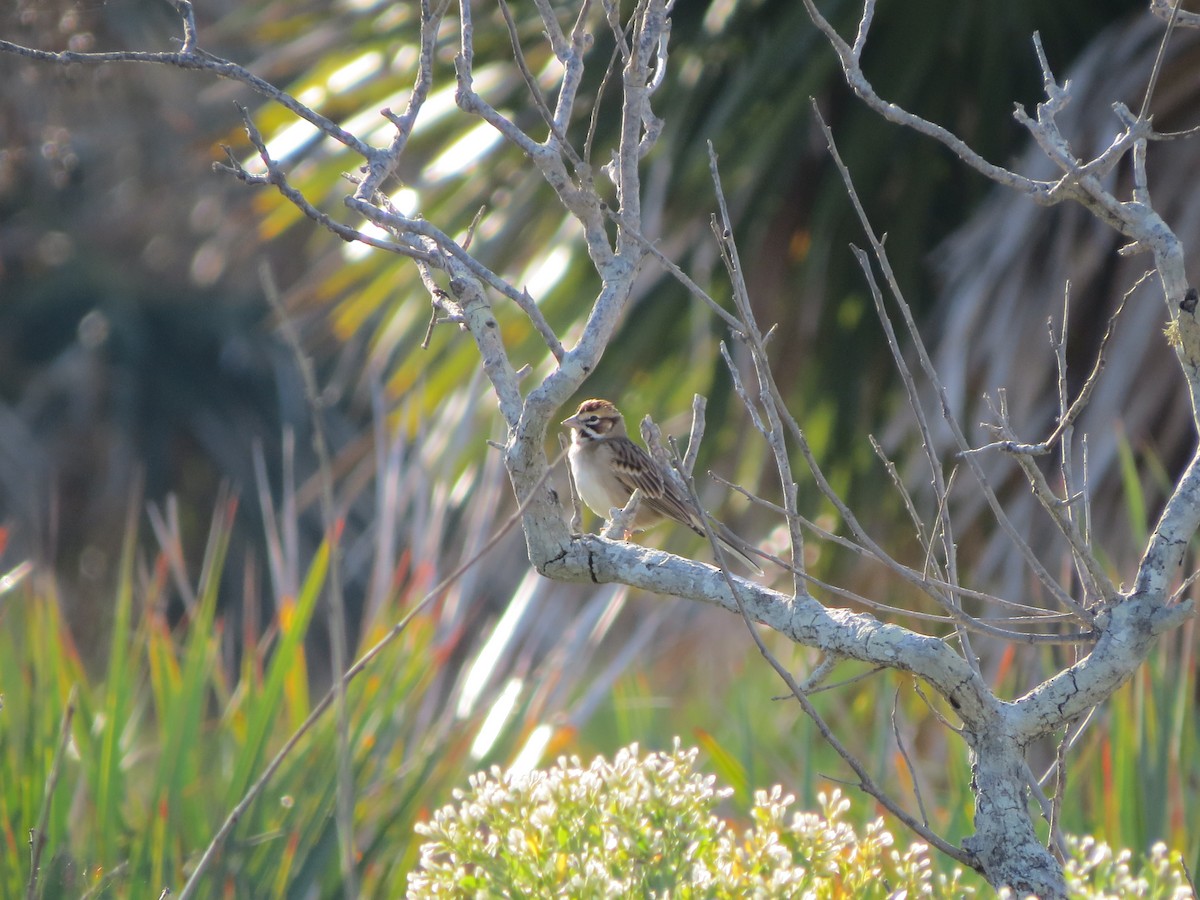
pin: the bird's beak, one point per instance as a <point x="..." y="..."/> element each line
<point x="572" y="422"/>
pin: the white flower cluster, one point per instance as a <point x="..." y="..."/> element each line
<point x="1095" y="872"/>
<point x="1160" y="873"/>
<point x="647" y="827"/>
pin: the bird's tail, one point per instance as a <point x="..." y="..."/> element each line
<point x="735" y="547"/>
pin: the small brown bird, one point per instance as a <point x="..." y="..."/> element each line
<point x="608" y="466"/>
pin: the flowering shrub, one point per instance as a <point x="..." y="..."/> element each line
<point x="647" y="827"/>
<point x="642" y="827"/>
<point x="1096" y="872"/>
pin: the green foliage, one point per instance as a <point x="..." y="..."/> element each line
<point x="169" y="734"/>
<point x="171" y="729"/>
<point x="1130" y="778"/>
<point x="172" y="726"/>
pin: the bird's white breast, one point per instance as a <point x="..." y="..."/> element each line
<point x="591" y="482"/>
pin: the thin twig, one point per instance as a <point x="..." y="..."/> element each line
<point x="1060" y="779"/>
<point x="1074" y="731"/>
<point x="191" y="57"/>
<point x="938" y="479"/>
<point x="1187" y="583"/>
<point x="696" y="434"/>
<point x="570" y="54"/>
<point x="1156" y="70"/>
<point x="937" y="713"/>
<point x="382" y="164"/>
<point x="773" y="409"/>
<point x="560" y="141"/>
<point x="905" y="495"/>
<point x="440" y="242"/>
<point x="276" y="177"/>
<point x="955" y="618"/>
<point x="1067" y="419"/>
<point x="923" y="580"/>
<point x="1057" y="842"/>
<point x="676" y="272"/>
<point x="845" y="682"/>
<point x="594" y="121"/>
<point x="821" y="671"/>
<point x="908" y="763"/>
<point x="850" y="57"/>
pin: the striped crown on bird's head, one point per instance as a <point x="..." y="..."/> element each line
<point x="596" y="418"/>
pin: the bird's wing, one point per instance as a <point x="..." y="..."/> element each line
<point x="636" y="469"/>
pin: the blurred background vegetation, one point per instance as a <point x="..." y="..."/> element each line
<point x="142" y="379"/>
